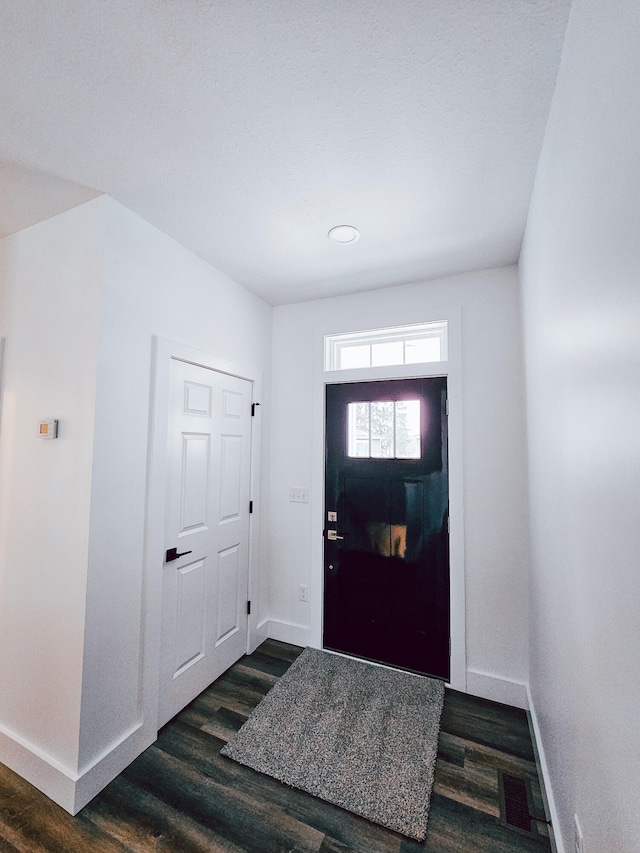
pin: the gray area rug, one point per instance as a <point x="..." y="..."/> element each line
<point x="360" y="736"/>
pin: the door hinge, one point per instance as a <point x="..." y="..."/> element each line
<point x="248" y="608"/>
<point x="250" y="507"/>
<point x="446" y="407"/>
<point x="253" y="409"/>
<point x="449" y="646"/>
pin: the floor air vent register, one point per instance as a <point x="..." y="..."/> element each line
<point x="516" y="807"/>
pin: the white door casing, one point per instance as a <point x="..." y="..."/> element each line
<point x="453" y="371"/>
<point x="204" y="592"/>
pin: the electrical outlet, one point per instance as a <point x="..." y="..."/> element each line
<point x="299" y="496"/>
<point x="579" y="838"/>
<point x="304" y="592"/>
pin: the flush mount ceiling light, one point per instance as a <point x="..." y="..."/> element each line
<point x="344" y="234"/>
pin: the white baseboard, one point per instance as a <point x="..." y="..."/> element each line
<point x="287" y="632"/>
<point x="258" y="635"/>
<point x="112" y="762"/>
<point x="69" y="789"/>
<point x="557" y="844"/>
<point x="40" y="769"/>
<point x="497" y="689"/>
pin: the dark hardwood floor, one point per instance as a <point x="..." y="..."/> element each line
<point x="181" y="795"/>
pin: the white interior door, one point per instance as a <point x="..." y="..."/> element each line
<point x="204" y="614"/>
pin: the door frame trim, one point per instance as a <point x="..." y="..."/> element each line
<point x="452" y="369"/>
<point x="164" y="351"/>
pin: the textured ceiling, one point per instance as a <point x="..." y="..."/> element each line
<point x="247" y="129"/>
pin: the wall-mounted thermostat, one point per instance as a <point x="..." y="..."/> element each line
<point x="48" y="428"/>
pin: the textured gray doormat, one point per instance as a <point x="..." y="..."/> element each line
<point x="360" y="736"/>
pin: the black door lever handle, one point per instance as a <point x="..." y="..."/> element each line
<point x="172" y="554"/>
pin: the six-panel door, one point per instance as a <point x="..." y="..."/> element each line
<point x="204" y="617"/>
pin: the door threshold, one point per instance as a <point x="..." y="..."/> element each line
<point x="384" y="665"/>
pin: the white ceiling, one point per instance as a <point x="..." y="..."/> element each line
<point x="246" y="129"/>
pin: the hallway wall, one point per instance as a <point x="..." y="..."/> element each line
<point x="580" y="271"/>
<point x="83" y="294"/>
<point x="51" y="276"/>
<point x="493" y="464"/>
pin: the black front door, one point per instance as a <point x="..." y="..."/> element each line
<point x="386" y="573"/>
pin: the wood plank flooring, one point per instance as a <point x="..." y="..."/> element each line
<point x="181" y="795"/>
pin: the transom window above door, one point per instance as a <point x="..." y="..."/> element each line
<point x="383" y="429"/>
<point x="418" y="344"/>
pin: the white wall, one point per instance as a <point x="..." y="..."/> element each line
<point x="51" y="276"/>
<point x="86" y="292"/>
<point x="152" y="286"/>
<point x="493" y="466"/>
<point x="580" y="273"/>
